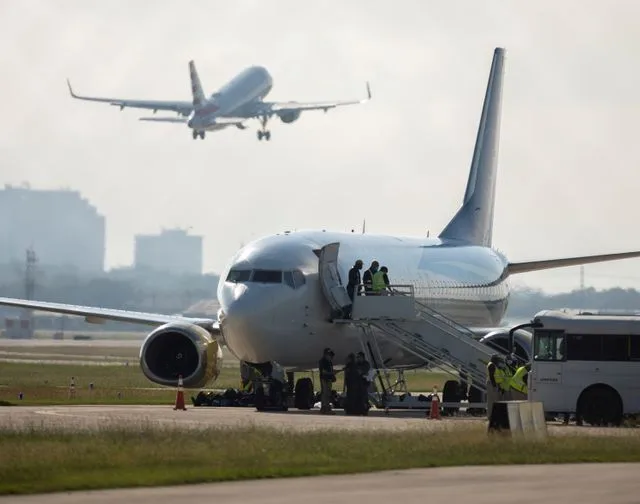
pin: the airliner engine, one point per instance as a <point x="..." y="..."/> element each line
<point x="289" y="117"/>
<point x="183" y="349"/>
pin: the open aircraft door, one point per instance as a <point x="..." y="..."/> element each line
<point x="329" y="276"/>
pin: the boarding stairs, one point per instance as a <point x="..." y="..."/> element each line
<point x="420" y="330"/>
<point x="402" y="321"/>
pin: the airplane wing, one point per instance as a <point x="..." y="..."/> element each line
<point x="96" y="315"/>
<point x="523" y="267"/>
<point x="222" y="121"/>
<point x="283" y="107"/>
<point x="181" y="107"/>
<point x="181" y="120"/>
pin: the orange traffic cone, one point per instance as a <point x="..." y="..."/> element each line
<point x="435" y="405"/>
<point x="180" y="396"/>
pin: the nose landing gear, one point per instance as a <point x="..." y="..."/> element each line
<point x="196" y="134"/>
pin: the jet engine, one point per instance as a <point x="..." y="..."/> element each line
<point x="179" y="348"/>
<point x="290" y="116"/>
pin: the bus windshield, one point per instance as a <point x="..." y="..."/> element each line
<point x="549" y="345"/>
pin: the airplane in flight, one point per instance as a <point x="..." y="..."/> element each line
<point x="238" y="101"/>
<point x="274" y="305"/>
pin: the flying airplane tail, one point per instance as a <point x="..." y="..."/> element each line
<point x="473" y="223"/>
<point x="197" y="93"/>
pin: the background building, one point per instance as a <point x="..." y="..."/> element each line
<point x="173" y="251"/>
<point x="61" y="226"/>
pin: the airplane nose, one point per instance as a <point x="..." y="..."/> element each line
<point x="247" y="315"/>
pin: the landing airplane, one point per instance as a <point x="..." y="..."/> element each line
<point x="273" y="306"/>
<point x="233" y="104"/>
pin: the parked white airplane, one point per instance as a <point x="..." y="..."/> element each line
<point x="239" y="100"/>
<point x="272" y="294"/>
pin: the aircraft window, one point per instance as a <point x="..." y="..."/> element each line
<point x="267" y="276"/>
<point x="298" y="278"/>
<point x="236" y="276"/>
<point x="288" y="279"/>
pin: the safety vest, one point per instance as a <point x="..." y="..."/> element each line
<point x="501" y="377"/>
<point x="517" y="382"/>
<point x="378" y="284"/>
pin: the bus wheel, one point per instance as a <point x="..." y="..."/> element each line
<point x="600" y="405"/>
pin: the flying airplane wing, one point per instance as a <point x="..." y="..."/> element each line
<point x="99" y="315"/>
<point x="222" y="121"/>
<point x="181" y="120"/>
<point x="523" y="267"/>
<point x="181" y="107"/>
<point x="283" y="107"/>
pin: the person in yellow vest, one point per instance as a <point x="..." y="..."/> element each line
<point x="519" y="388"/>
<point x="496" y="385"/>
<point x="380" y="283"/>
<point x="509" y="368"/>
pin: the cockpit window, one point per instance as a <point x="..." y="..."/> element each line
<point x="288" y="279"/>
<point x="236" y="276"/>
<point x="298" y="278"/>
<point x="267" y="276"/>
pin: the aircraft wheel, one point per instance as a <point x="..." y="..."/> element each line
<point x="267" y="135"/>
<point x="260" y="135"/>
<point x="202" y="135"/>
<point x="194" y="134"/>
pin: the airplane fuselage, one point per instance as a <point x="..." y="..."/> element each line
<point x="269" y="314"/>
<point x="249" y="86"/>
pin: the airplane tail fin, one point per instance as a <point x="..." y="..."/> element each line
<point x="199" y="98"/>
<point x="473" y="223"/>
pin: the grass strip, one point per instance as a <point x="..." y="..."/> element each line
<point x="33" y="460"/>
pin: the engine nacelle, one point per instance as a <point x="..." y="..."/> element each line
<point x="290" y="116"/>
<point x="179" y="348"/>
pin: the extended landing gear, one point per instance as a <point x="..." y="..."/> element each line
<point x="197" y="134"/>
<point x="264" y="132"/>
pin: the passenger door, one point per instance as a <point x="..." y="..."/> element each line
<point x="329" y="276"/>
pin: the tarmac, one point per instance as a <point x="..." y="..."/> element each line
<point x="129" y="416"/>
<point x="529" y="484"/>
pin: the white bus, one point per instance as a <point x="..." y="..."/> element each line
<point x="586" y="364"/>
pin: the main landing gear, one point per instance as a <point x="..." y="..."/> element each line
<point x="264" y="132"/>
<point x="196" y="133"/>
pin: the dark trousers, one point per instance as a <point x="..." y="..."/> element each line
<point x="325" y="395"/>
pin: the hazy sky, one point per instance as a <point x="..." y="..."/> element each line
<point x="569" y="155"/>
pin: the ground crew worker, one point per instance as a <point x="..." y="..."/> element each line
<point x="351" y="378"/>
<point x="380" y="283"/>
<point x="362" y="397"/>
<point x="509" y="368"/>
<point x="367" y="278"/>
<point x="327" y="378"/>
<point x="495" y="382"/>
<point x="519" y="388"/>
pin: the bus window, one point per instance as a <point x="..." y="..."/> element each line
<point x="615" y="347"/>
<point x="548" y="345"/>
<point x="584" y="347"/>
<point x="634" y="347"/>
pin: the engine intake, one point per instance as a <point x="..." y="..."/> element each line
<point x="180" y="349"/>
